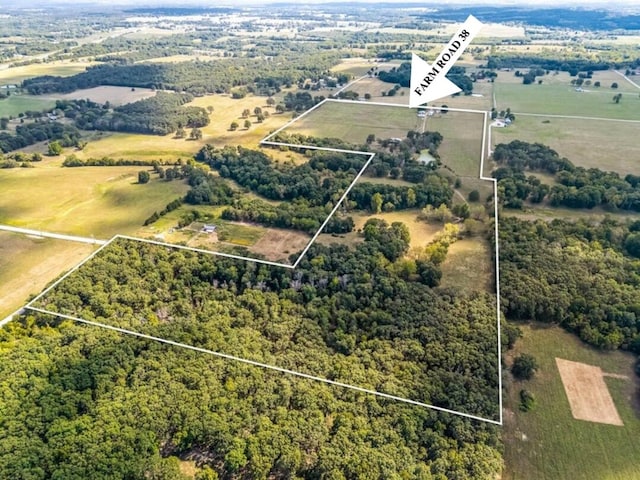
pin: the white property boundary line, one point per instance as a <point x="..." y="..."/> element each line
<point x="259" y="364"/>
<point x="266" y="141"/>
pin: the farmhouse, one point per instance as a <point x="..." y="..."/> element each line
<point x="208" y="228"/>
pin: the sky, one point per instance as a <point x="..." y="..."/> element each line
<point x="524" y="3"/>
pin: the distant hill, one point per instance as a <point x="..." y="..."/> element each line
<point x="573" y="18"/>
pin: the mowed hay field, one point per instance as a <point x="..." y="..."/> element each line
<point x="547" y="443"/>
<point x="607" y="145"/>
<point x="461" y="146"/>
<point x="560" y="98"/>
<point x="16" y="104"/>
<point x="62" y="68"/>
<point x="166" y="147"/>
<point x="114" y="95"/>
<point x="27" y="264"/>
<point x="85" y="201"/>
<point x="353" y="122"/>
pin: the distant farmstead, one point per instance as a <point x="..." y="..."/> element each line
<point x="209" y="228"/>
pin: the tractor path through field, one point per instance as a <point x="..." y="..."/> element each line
<point x="627" y="79"/>
<point x="58" y="236"/>
<point x="577" y="117"/>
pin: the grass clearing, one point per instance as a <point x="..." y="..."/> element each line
<point x="16" y="104"/>
<point x="547" y="442"/>
<point x="469" y="266"/>
<point x="62" y="68"/>
<point x="85" y="201"/>
<point x="563" y="99"/>
<point x="607" y="145"/>
<point x="461" y="146"/>
<point x="28" y="264"/>
<point x="353" y="122"/>
<point x="168" y="148"/>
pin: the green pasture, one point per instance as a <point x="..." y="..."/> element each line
<point x="16" y="104"/>
<point x="547" y="443"/>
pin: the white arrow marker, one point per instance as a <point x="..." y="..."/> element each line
<point x="428" y="82"/>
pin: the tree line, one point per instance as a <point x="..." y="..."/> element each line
<point x="402" y="76"/>
<point x="578" y="187"/>
<point x="198" y="78"/>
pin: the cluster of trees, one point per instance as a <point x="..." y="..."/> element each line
<point x="199" y="77"/>
<point x="318" y="181"/>
<point x="343" y="314"/>
<point x="593" y="293"/>
<point x="30" y="133"/>
<point x="73" y="161"/>
<point x="300" y="101"/>
<point x="295" y="215"/>
<point x="402" y="76"/>
<point x="19" y="159"/>
<point x="376" y="197"/>
<point x="158" y="115"/>
<point x="577" y="187"/>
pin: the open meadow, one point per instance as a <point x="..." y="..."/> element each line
<point x="547" y="443"/>
<point x="607" y="145"/>
<point x="353" y="122"/>
<point x="20" y="103"/>
<point x="85" y="201"/>
<point x="62" y="68"/>
<point x="167" y="147"/>
<point x="555" y="96"/>
<point x="28" y="264"/>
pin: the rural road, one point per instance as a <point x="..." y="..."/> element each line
<point x="57" y="236"/>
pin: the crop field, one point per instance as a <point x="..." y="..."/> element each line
<point x="62" y="68"/>
<point x="607" y="145"/>
<point x="355" y="66"/>
<point x="547" y="443"/>
<point x="27" y="264"/>
<point x="167" y="147"/>
<point x="16" y="104"/>
<point x="114" y="95"/>
<point x="562" y="99"/>
<point x="86" y="201"/>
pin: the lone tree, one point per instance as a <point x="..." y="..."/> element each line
<point x="371" y="138"/>
<point x="617" y="97"/>
<point x="474" y="196"/>
<point x="143" y="177"/>
<point x="234" y="126"/>
<point x="246" y="112"/>
<point x="271" y="102"/>
<point x="614" y="85"/>
<point x="54" y="148"/>
<point x="196" y="134"/>
<point x="181" y="133"/>
<point x="257" y="111"/>
<point x="524" y="366"/>
<point x="247" y="124"/>
<point x="210" y="109"/>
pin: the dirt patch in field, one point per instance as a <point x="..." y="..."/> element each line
<point x="278" y="244"/>
<point x="114" y="95"/>
<point x="588" y="395"/>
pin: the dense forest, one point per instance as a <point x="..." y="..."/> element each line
<point x="580" y="275"/>
<point x="264" y="75"/>
<point x="158" y="115"/>
<point x="577" y="187"/>
<point x="402" y="76"/>
<point x="84" y="403"/>
<point x="30" y="133"/>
